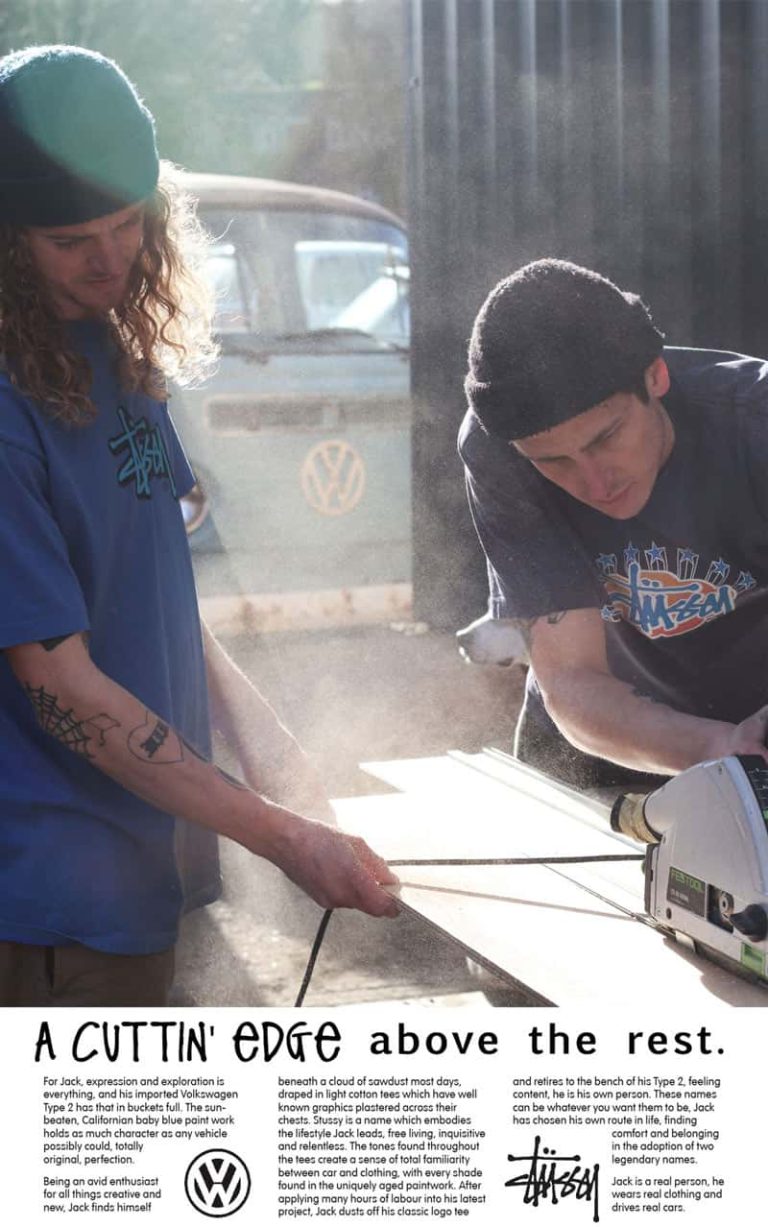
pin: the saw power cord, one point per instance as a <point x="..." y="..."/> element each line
<point x="498" y="860"/>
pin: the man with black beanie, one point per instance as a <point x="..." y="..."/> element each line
<point x="105" y="673"/>
<point x="619" y="492"/>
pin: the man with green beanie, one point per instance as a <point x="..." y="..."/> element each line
<point x="108" y="796"/>
<point x="618" y="490"/>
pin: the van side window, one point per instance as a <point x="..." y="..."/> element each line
<point x="353" y="283"/>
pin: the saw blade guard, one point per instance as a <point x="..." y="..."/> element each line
<point x="713" y="813"/>
<point x="708" y="875"/>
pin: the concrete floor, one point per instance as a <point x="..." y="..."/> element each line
<point x="349" y="696"/>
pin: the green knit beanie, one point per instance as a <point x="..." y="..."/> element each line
<point x="76" y="142"/>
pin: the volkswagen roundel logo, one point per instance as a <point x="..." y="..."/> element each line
<point x="217" y="1183"/>
<point x="333" y="477"/>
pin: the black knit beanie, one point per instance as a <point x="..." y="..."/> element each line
<point x="76" y="142"/>
<point x="551" y="341"/>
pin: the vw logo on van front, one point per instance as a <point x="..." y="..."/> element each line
<point x="333" y="477"/>
<point x="217" y="1183"/>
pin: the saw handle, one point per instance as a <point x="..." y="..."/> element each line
<point x="752" y="922"/>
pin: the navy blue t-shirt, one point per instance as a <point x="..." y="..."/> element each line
<point x="92" y="539"/>
<point x="682" y="586"/>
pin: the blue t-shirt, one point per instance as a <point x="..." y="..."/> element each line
<point x="682" y="586"/>
<point x="92" y="539"/>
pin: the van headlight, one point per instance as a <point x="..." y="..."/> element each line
<point x="194" y="508"/>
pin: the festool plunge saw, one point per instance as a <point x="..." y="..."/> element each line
<point x="706" y="869"/>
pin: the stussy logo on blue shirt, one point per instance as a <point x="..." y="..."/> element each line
<point x="147" y="455"/>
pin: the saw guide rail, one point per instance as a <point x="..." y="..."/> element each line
<point x="570" y="933"/>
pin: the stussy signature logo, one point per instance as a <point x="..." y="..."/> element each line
<point x="147" y="455"/>
<point x="661" y="601"/>
<point x="552" y="1177"/>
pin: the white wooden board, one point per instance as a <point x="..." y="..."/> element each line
<point x="536" y="926"/>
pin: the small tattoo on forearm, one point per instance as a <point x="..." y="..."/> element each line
<point x="101" y="724"/>
<point x="155" y="742"/>
<point x="640" y="694"/>
<point x="526" y="625"/>
<point x="64" y="725"/>
<point x="51" y="644"/>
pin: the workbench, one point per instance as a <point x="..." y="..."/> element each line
<point x="565" y="935"/>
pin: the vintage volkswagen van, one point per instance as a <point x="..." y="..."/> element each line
<point x="301" y="440"/>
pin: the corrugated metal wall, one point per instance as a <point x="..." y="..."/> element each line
<point x="627" y="135"/>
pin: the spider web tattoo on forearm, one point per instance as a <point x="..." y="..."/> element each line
<point x="61" y="723"/>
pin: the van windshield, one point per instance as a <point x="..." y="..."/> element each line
<point x="291" y="274"/>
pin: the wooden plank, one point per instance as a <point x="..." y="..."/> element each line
<point x="536" y="926"/>
<point x="476" y="776"/>
<point x="458" y="805"/>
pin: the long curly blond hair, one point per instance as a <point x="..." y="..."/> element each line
<point x="161" y="331"/>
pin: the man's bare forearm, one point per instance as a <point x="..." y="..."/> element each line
<point x="239" y="712"/>
<point x="271" y="759"/>
<point x="604" y="716"/>
<point x="99" y="720"/>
